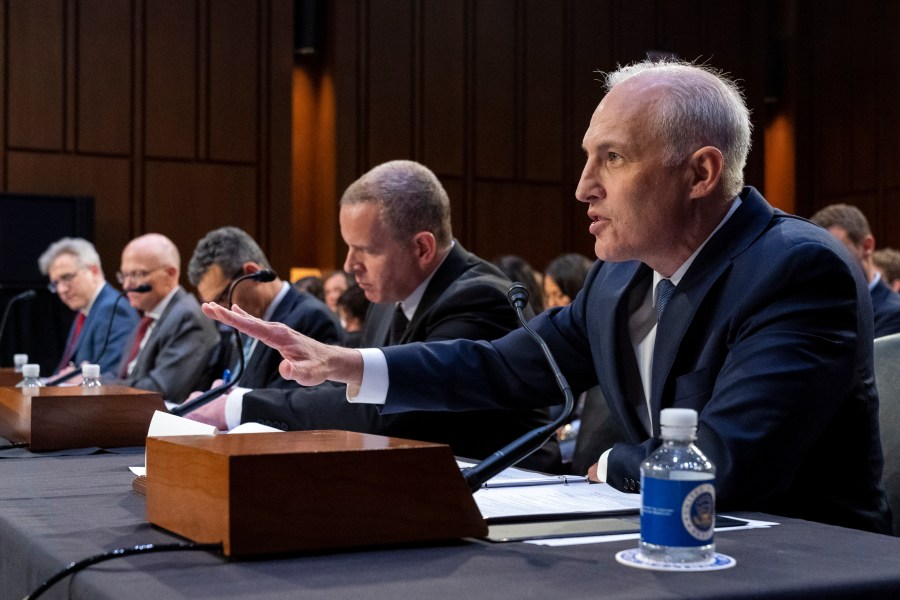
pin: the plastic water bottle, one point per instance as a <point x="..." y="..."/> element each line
<point x="90" y="376"/>
<point x="31" y="377"/>
<point x="678" y="495"/>
<point x="19" y="361"/>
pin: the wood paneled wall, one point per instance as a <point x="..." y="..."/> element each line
<point x="174" y="114"/>
<point x="846" y="61"/>
<point x="495" y="97"/>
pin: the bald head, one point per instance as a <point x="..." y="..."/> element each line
<point x="154" y="260"/>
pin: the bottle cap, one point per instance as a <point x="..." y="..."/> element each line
<point x="678" y="417"/>
<point x="31" y="370"/>
<point x="20" y="359"/>
<point x="90" y="371"/>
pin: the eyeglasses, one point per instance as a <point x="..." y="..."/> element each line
<point x="222" y="297"/>
<point x="121" y="277"/>
<point x="65" y="279"/>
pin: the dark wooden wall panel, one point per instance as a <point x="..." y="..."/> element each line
<point x="504" y="90"/>
<point x="35" y="74"/>
<point x="104" y="76"/>
<point x="181" y="197"/>
<point x="234" y="80"/>
<point x="495" y="95"/>
<point x="390" y="73"/>
<point x="503" y="227"/>
<point x="172" y="79"/>
<point x="443" y="120"/>
<point x="174" y="114"/>
<point x="543" y="90"/>
<point x="106" y="179"/>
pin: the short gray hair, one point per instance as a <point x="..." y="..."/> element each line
<point x="704" y="107"/>
<point x="228" y="247"/>
<point x="83" y="251"/>
<point x="411" y="199"/>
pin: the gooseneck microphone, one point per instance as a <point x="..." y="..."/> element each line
<point x="141" y="289"/>
<point x="522" y="447"/>
<point x="26" y="295"/>
<point x="263" y="275"/>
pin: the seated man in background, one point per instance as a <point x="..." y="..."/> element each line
<point x="170" y="349"/>
<point x="705" y="297"/>
<point x="850" y="226"/>
<point x="226" y="254"/>
<point x="425" y="286"/>
<point x="887" y="261"/>
<point x="101" y="326"/>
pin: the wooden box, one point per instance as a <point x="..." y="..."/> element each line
<point x="9" y="377"/>
<point x="55" y="418"/>
<point x="266" y="493"/>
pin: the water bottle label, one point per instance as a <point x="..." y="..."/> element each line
<point x="677" y="512"/>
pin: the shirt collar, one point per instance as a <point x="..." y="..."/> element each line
<point x="680" y="272"/>
<point x="411" y="303"/>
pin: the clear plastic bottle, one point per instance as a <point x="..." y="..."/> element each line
<point x="19" y="361"/>
<point x="90" y="376"/>
<point x="678" y="495"/>
<point x="31" y="377"/>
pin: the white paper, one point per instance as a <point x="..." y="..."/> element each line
<point x="253" y="428"/>
<point x="580" y="497"/>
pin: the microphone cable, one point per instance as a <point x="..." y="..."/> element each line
<point x="263" y="275"/>
<point x="522" y="447"/>
<point x="74" y="567"/>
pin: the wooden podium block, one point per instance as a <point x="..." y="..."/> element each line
<point x="55" y="418"/>
<point x="9" y="377"/>
<point x="265" y="493"/>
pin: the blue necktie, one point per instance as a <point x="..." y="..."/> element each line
<point x="664" y="291"/>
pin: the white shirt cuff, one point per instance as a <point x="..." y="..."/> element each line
<point x="234" y="406"/>
<point x="374" y="386"/>
<point x="603" y="466"/>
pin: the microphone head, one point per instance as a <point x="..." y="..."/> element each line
<point x="264" y="275"/>
<point x="26" y="295"/>
<point x="518" y="295"/>
<point x="141" y="289"/>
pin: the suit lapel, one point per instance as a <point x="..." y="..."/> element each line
<point x="745" y="225"/>
<point x="610" y="307"/>
<point x="450" y="270"/>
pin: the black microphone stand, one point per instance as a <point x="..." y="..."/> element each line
<point x="263" y="275"/>
<point x="26" y="295"/>
<point x="520" y="448"/>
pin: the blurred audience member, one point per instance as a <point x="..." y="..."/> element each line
<point x="336" y="284"/>
<point x="312" y="285"/>
<point x="887" y="261"/>
<point x="518" y="269"/>
<point x="564" y="277"/>
<point x="352" y="307"/>
<point x="849" y="225"/>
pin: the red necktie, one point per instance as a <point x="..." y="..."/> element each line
<point x="136" y="346"/>
<point x="73" y="340"/>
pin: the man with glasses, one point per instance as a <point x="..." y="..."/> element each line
<point x="169" y="350"/>
<point x="226" y="254"/>
<point x="73" y="266"/>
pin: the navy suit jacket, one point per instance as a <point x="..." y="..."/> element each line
<point x="886" y="303"/>
<point x="175" y="359"/>
<point x="466" y="298"/>
<point x="90" y="342"/>
<point x="768" y="336"/>
<point x="299" y="311"/>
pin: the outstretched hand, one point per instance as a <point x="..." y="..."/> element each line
<point x="306" y="361"/>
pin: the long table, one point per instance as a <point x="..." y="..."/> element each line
<point x="60" y="509"/>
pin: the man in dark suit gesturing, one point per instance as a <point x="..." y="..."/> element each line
<point x="706" y="298"/>
<point x="220" y="258"/>
<point x="395" y="220"/>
